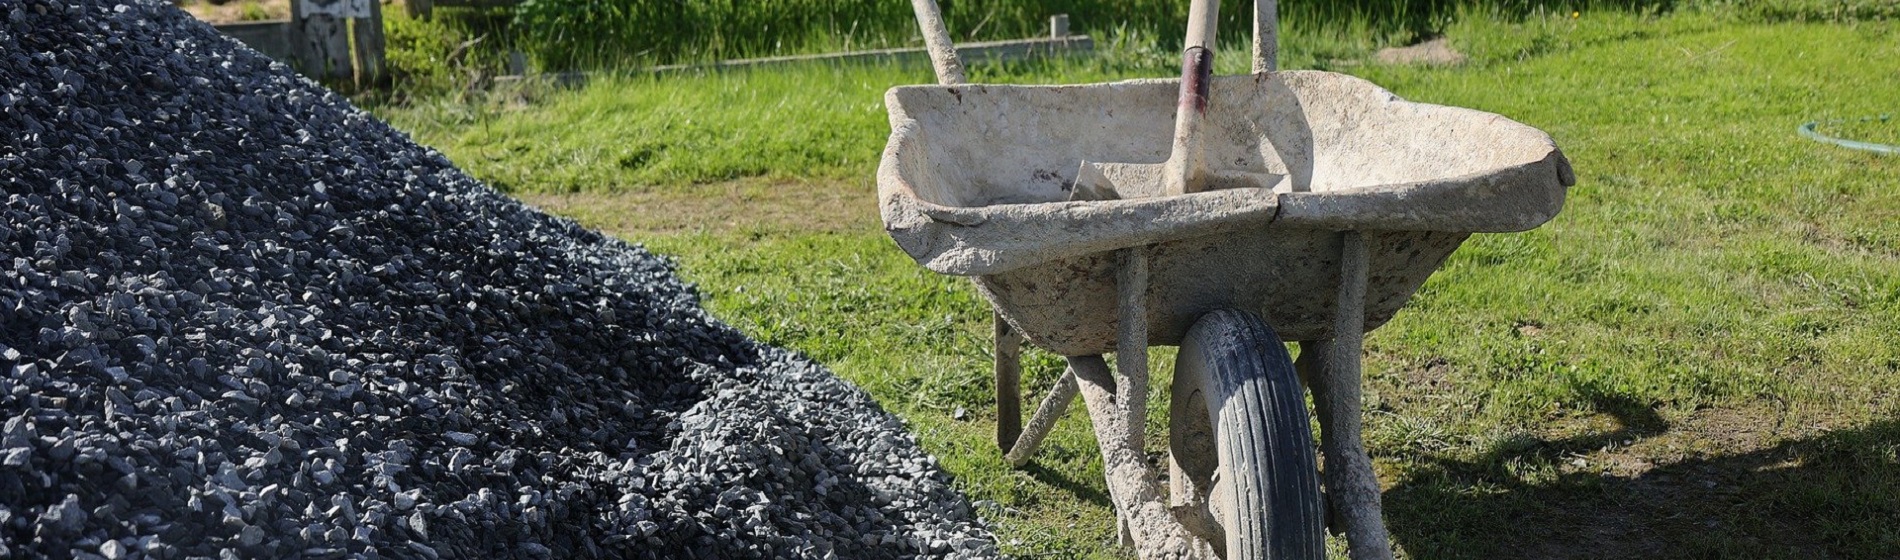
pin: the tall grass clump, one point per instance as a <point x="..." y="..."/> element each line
<point x="457" y="50"/>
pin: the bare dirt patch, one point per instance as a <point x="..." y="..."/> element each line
<point x="745" y="205"/>
<point x="1435" y="372"/>
<point x="1437" y="52"/>
<point x="236" y="11"/>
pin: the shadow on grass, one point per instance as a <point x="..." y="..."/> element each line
<point x="1836" y="495"/>
<point x="1074" y="487"/>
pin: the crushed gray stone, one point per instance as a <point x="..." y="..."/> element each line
<point x="240" y="318"/>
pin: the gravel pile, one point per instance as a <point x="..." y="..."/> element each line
<point x="240" y="318"/>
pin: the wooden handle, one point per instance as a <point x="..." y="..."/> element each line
<point x="1266" y="36"/>
<point x="943" y="53"/>
<point x="1186" y="168"/>
<point x="1203" y="19"/>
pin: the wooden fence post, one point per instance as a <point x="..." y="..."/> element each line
<point x="368" y="32"/>
<point x="319" y="38"/>
<point x="321" y="33"/>
<point x="419" y="9"/>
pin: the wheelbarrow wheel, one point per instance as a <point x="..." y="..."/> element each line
<point x="1244" y="475"/>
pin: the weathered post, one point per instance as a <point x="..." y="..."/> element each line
<point x="368" y="31"/>
<point x="419" y="9"/>
<point x="319" y="37"/>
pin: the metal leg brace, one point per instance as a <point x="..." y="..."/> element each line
<point x="1052" y="408"/>
<point x="1019" y="442"/>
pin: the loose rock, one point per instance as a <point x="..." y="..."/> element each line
<point x="240" y="318"/>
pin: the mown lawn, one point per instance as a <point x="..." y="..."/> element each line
<point x="1699" y="358"/>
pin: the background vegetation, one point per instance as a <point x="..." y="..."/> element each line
<point x="614" y="30"/>
<point x="560" y="35"/>
<point x="462" y="47"/>
<point x="565" y="34"/>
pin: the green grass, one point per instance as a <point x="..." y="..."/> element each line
<point x="1710" y="263"/>
<point x="629" y="132"/>
<point x="810" y="121"/>
<point x="1699" y="358"/>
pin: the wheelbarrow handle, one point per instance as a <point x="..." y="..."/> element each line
<point x="1204" y="19"/>
<point x="1186" y="169"/>
<point x="1266" y="36"/>
<point x="1201" y="26"/>
<point x="943" y="53"/>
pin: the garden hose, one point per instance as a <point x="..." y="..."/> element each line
<point x="1808" y="131"/>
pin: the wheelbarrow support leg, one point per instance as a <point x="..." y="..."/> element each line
<point x="1133" y="485"/>
<point x="1131" y="343"/>
<point x="1019" y="443"/>
<point x="1118" y="407"/>
<point x="1266" y="36"/>
<point x="1351" y="485"/>
<point x="1131" y="356"/>
<point x="1009" y="381"/>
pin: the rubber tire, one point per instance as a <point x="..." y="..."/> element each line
<point x="1256" y="409"/>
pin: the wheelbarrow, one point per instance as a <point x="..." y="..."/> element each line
<point x="1223" y="215"/>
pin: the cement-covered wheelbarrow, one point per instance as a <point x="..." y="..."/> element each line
<point x="1299" y="206"/>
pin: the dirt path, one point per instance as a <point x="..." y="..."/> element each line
<point x="236" y="11"/>
<point x="756" y="204"/>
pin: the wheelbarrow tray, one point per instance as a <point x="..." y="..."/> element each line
<point x="975" y="181"/>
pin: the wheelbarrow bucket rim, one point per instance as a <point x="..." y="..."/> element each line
<point x="995" y="238"/>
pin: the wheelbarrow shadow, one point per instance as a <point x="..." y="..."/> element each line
<point x="1091" y="494"/>
<point x="1836" y="495"/>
